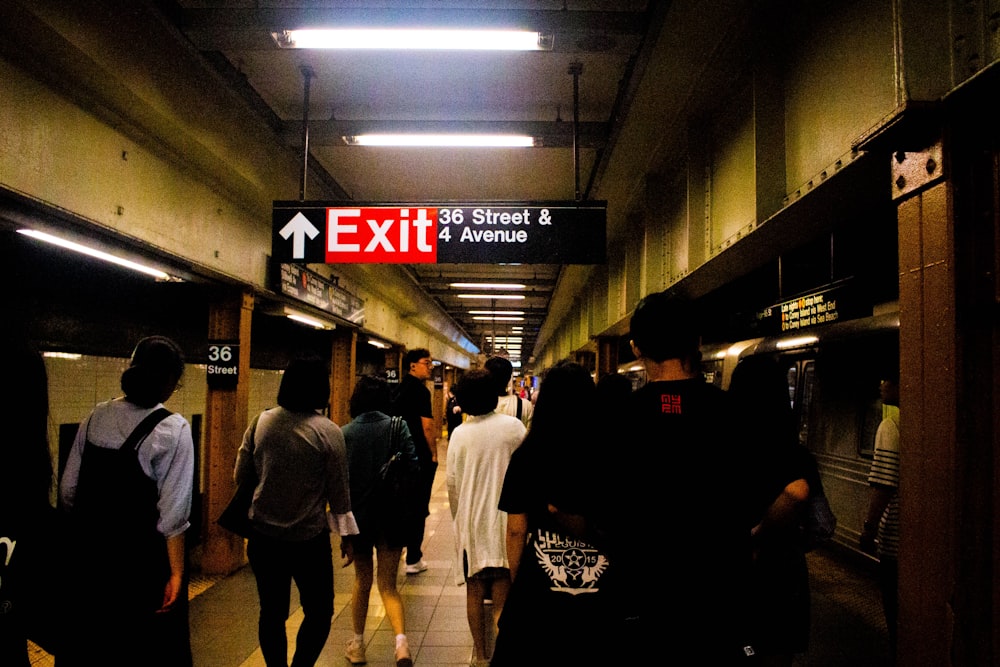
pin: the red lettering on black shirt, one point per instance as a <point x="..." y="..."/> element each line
<point x="670" y="404"/>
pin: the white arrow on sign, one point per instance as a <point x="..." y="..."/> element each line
<point x="298" y="228"/>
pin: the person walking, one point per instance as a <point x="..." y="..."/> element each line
<point x="782" y="476"/>
<point x="29" y="557"/>
<point x="880" y="530"/>
<point x="508" y="402"/>
<point x="127" y="489"/>
<point x="688" y="452"/>
<point x="478" y="455"/>
<point x="297" y="459"/>
<point x="412" y="402"/>
<point x="559" y="610"/>
<point x="372" y="438"/>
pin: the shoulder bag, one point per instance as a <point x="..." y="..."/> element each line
<point x="397" y="487"/>
<point x="236" y="516"/>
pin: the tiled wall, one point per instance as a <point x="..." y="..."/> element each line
<point x="77" y="385"/>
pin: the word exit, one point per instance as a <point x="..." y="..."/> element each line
<point x="386" y="235"/>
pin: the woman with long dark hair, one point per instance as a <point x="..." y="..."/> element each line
<point x="558" y="609"/>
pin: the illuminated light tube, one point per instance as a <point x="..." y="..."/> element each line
<point x="412" y="39"/>
<point x="99" y="254"/>
<point x="379" y="344"/>
<point x="491" y="296"/>
<point x="62" y="355"/>
<point x="443" y="140"/>
<point x="484" y="318"/>
<point x="486" y="286"/>
<point x="301" y="318"/>
<point x="796" y="342"/>
<point x="496" y="312"/>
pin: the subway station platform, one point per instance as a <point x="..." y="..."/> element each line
<point x="848" y="629"/>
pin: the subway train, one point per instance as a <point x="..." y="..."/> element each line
<point x="833" y="372"/>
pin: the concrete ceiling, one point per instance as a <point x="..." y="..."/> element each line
<point x="350" y="92"/>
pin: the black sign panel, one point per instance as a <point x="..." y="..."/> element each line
<point x="824" y="306"/>
<point x="453" y="233"/>
<point x="309" y="287"/>
<point x="223" y="367"/>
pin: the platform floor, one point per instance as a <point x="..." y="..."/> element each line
<point x="848" y="629"/>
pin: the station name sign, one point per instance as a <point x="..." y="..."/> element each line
<point x="443" y="233"/>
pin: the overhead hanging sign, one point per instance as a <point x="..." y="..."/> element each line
<point x="309" y="287"/>
<point x="452" y="233"/>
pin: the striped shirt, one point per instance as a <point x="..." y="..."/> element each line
<point x="885" y="472"/>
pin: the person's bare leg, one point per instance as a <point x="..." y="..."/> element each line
<point x="475" y="590"/>
<point x="363" y="573"/>
<point x="388" y="569"/>
<point x="501" y="586"/>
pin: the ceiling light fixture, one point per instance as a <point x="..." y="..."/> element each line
<point x="486" y="286"/>
<point x="413" y="39"/>
<point x="99" y="254"/>
<point x="496" y="312"/>
<point x="302" y="318"/>
<point x="443" y="140"/>
<point x="379" y="344"/>
<point x="498" y="319"/>
<point x="72" y="356"/>
<point x="491" y="296"/>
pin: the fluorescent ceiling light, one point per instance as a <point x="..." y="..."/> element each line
<point x="496" y="312"/>
<point x="379" y="344"/>
<point x="99" y="254"/>
<point x="491" y="296"/>
<point x="413" y="39"/>
<point x="302" y="318"/>
<point x="443" y="140"/>
<point x="62" y="355"/>
<point x="506" y="339"/>
<point x="498" y="319"/>
<point x="487" y="285"/>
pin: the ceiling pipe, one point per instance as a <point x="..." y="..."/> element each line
<point x="576" y="69"/>
<point x="307" y="75"/>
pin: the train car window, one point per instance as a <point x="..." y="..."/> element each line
<point x="871" y="417"/>
<point x="805" y="407"/>
<point x="711" y="370"/>
<point x="791" y="376"/>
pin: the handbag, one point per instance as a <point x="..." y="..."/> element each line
<point x="236" y="516"/>
<point x="397" y="486"/>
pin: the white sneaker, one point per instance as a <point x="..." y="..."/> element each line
<point x="416" y="568"/>
<point x="355" y="652"/>
<point x="403" y="658"/>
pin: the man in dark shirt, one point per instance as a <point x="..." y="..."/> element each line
<point x="686" y="462"/>
<point x="413" y="404"/>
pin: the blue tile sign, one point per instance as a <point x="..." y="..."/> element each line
<point x="442" y="233"/>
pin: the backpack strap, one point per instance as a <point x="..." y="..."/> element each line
<point x="519" y="408"/>
<point x="145" y="427"/>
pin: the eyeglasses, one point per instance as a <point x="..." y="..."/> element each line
<point x="426" y="362"/>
